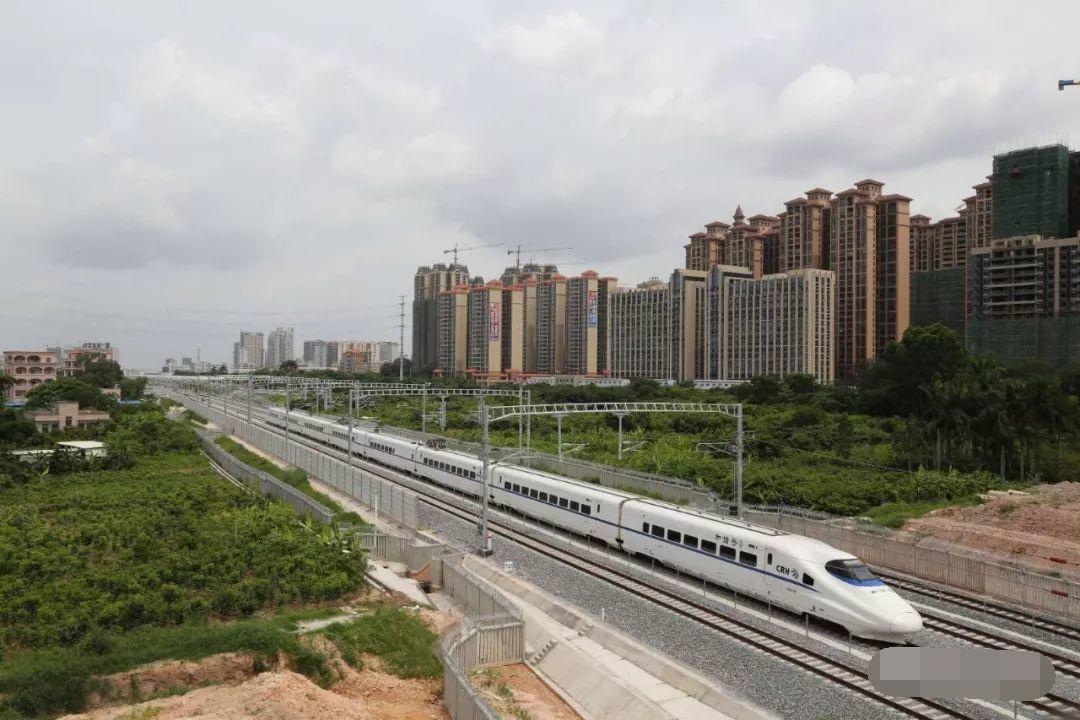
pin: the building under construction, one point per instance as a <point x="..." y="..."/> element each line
<point x="937" y="296"/>
<point x="1024" y="295"/>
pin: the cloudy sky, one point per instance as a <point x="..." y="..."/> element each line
<point x="174" y="172"/>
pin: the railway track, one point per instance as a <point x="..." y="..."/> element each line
<point x="992" y="608"/>
<point x="840" y="673"/>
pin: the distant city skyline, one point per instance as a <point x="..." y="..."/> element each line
<point x="167" y="185"/>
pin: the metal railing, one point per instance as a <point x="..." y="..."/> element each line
<point x="492" y="633"/>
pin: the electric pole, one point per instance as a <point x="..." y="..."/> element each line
<point x="401" y="346"/>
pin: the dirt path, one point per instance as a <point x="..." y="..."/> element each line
<point x="1040" y="528"/>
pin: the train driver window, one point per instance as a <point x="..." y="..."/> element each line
<point x="674" y="535"/>
<point x="689" y="541"/>
<point x="807" y="580"/>
<point x="748" y="558"/>
<point x="574" y="506"/>
<point x="708" y="546"/>
<point x="563" y="502"/>
<point x="658" y="531"/>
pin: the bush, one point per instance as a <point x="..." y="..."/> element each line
<point x="400" y="638"/>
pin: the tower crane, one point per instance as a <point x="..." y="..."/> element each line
<point x="455" y="250"/>
<point x="1063" y="83"/>
<point x="517" y="252"/>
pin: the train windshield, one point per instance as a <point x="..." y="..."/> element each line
<point x="849" y="570"/>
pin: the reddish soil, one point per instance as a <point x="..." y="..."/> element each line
<point x="528" y="692"/>
<point x="1040" y="528"/>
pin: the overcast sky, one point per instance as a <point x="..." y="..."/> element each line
<point x="173" y="173"/>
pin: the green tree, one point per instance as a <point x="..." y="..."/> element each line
<point x="68" y="389"/>
<point x="14" y="429"/>
<point x="132" y="388"/>
<point x="6" y="383"/>
<point x="895" y="384"/>
<point x="99" y="372"/>
<point x="288" y="366"/>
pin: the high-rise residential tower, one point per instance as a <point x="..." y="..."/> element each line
<point x="279" y="347"/>
<point x="869" y="253"/>
<point x="427" y="284"/>
<point x="249" y="352"/>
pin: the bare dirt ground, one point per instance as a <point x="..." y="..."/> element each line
<point x="1040" y="529"/>
<point x="225" y="687"/>
<point x="280" y="694"/>
<point x="516" y="687"/>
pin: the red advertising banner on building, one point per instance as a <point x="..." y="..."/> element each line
<point x="494" y="321"/>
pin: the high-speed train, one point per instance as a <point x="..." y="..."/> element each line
<point x="791" y="571"/>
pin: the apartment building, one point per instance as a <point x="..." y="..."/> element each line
<point x="453" y="341"/>
<point x="717" y="292"/>
<point x="315" y="354"/>
<point x="980" y="214"/>
<point x="428" y="282"/>
<point x="804" y="231"/>
<point x="279" y="347"/>
<point x="1025" y="277"/>
<point x="513" y="331"/>
<point x="30" y="368"/>
<point x="355" y="360"/>
<point x="869" y="252"/>
<point x="922" y="254"/>
<point x="551" y="326"/>
<point x="951" y="242"/>
<point x="703" y="250"/>
<point x="588" y="320"/>
<point x="485" y="330"/>
<point x="249" y="351"/>
<point x="778" y="325"/>
<point x="641" y="340"/>
<point x="688" y="312"/>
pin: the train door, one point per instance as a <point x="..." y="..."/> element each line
<point x="781" y="577"/>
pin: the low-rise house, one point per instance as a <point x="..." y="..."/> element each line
<point x="65" y="415"/>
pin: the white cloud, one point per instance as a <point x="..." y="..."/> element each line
<point x="558" y="40"/>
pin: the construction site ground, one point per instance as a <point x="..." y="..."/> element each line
<point x="1040" y="528"/>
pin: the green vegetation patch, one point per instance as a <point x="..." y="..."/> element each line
<point x="404" y="642"/>
<point x="894" y="514"/>
<point x="294" y="477"/>
<point x="166" y="542"/>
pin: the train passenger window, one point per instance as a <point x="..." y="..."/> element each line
<point x="563" y="502"/>
<point x="543" y="497"/>
<point x="708" y="546"/>
<point x="807" y="580"/>
<point x="574" y="505"/>
<point x="748" y="558"/>
<point x="727" y="552"/>
<point x="689" y="541"/>
<point x="645" y="527"/>
<point x="586" y="509"/>
<point x="674" y="535"/>
<point x="768" y="559"/>
<point x="658" y="531"/>
<point x="533" y="493"/>
<point x="515" y="487"/>
<point x="553" y="500"/>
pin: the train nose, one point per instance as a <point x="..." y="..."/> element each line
<point x="906" y="623"/>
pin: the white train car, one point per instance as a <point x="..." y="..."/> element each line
<point x="800" y="574"/>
